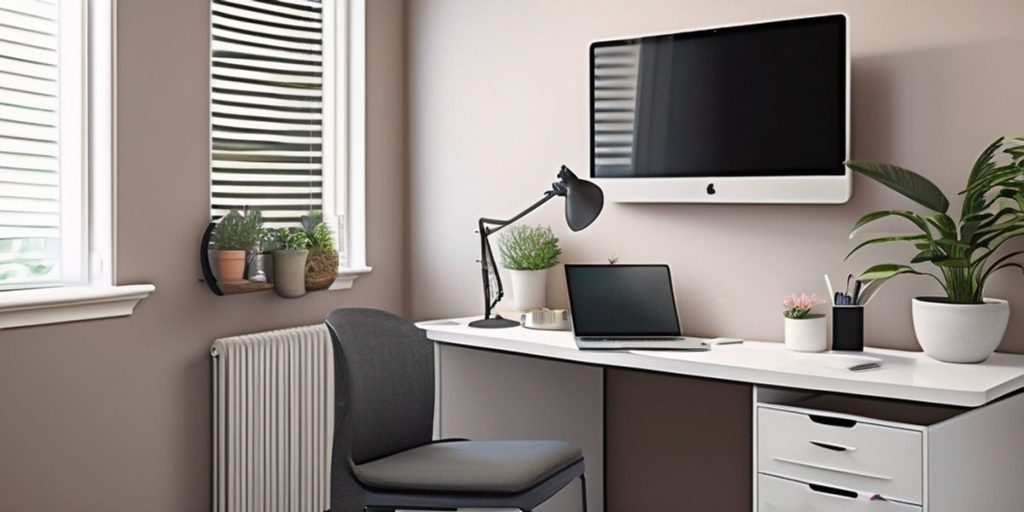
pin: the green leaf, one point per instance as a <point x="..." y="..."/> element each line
<point x="943" y="223"/>
<point x="885" y="271"/>
<point x="911" y="185"/>
<point x="928" y="255"/>
<point x="886" y="239"/>
<point x="875" y="216"/>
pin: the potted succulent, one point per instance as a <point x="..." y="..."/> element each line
<point x="290" y="250"/>
<point x="234" y="236"/>
<point x="805" y="332"/>
<point x="528" y="252"/>
<point x="322" y="261"/>
<point x="962" y="325"/>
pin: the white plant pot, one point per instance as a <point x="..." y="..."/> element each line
<point x="807" y="334"/>
<point x="529" y="289"/>
<point x="960" y="333"/>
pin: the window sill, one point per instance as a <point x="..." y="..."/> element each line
<point x="346" y="276"/>
<point x="41" y="306"/>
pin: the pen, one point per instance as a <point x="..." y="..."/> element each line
<point x="856" y="292"/>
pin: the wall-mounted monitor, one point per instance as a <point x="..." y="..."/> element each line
<point x="742" y="114"/>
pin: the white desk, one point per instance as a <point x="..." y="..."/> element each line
<point x="903" y="376"/>
<point x="964" y="458"/>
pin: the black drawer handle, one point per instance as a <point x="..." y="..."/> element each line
<point x="824" y="489"/>
<point x="833" y="422"/>
<point x="833" y="447"/>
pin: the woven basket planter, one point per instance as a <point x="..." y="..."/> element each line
<point x="321" y="269"/>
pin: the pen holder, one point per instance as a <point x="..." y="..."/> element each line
<point x="848" y="328"/>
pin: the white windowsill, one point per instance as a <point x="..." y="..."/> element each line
<point x="346" y="276"/>
<point x="20" y="308"/>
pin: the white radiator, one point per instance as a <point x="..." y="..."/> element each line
<point x="273" y="421"/>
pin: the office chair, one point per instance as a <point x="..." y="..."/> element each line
<point x="384" y="457"/>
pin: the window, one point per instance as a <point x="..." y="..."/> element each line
<point x="56" y="171"/>
<point x="286" y="111"/>
<point x="42" y="141"/>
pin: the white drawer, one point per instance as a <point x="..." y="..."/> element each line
<point x="781" y="495"/>
<point x="841" y="452"/>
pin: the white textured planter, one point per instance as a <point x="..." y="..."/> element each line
<point x="807" y="334"/>
<point x="960" y="333"/>
<point x="529" y="289"/>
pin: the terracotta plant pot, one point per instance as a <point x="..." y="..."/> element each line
<point x="230" y="266"/>
<point x="290" y="273"/>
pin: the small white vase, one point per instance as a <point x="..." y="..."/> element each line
<point x="807" y="334"/>
<point x="960" y="333"/>
<point x="529" y="289"/>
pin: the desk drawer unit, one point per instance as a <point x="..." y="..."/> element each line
<point x="781" y="495"/>
<point x="843" y="452"/>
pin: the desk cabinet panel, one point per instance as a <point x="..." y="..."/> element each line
<point x="781" y="495"/>
<point x="852" y="454"/>
<point x="676" y="443"/>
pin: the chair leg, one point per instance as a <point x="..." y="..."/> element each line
<point x="583" y="491"/>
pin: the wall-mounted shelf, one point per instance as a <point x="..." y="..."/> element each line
<point x="223" y="288"/>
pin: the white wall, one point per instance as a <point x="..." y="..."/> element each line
<point x="498" y="100"/>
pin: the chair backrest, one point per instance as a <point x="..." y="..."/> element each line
<point x="387" y="397"/>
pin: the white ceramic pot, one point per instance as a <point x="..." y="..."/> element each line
<point x="807" y="334"/>
<point x="960" y="333"/>
<point x="529" y="289"/>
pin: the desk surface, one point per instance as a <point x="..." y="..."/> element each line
<point x="903" y="375"/>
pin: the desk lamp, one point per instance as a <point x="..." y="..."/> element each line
<point x="583" y="203"/>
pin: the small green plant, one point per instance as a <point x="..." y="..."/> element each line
<point x="289" y="239"/>
<point x="529" y="248"/>
<point x="238" y="231"/>
<point x="992" y="215"/>
<point x="613" y="259"/>
<point x="318" y="232"/>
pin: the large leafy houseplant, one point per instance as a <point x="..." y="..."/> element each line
<point x="964" y="252"/>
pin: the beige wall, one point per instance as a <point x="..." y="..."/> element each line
<point x="114" y="415"/>
<point x="498" y="100"/>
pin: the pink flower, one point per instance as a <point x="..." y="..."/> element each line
<point x="798" y="306"/>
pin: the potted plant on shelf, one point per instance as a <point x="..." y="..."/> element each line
<point x="805" y="332"/>
<point x="322" y="261"/>
<point x="963" y="326"/>
<point x="290" y="250"/>
<point x="528" y="252"/>
<point x="233" y="237"/>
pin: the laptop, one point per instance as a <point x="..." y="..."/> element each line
<point x="618" y="307"/>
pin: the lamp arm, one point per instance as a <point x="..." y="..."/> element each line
<point x="484" y="227"/>
<point x="500" y="224"/>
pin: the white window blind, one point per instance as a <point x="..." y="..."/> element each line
<point x="614" y="107"/>
<point x="267" y="108"/>
<point x="41" y="136"/>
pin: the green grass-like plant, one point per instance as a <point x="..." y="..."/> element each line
<point x="528" y="248"/>
<point x="288" y="239"/>
<point x="238" y="231"/>
<point x="318" y="232"/>
<point x="963" y="252"/>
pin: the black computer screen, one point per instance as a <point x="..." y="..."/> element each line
<point x="756" y="100"/>
<point x="622" y="300"/>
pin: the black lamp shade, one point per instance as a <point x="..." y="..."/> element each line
<point x="583" y="200"/>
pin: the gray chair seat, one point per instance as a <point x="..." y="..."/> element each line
<point x="476" y="467"/>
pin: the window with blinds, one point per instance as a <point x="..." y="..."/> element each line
<point x="41" y="135"/>
<point x="267" y="108"/>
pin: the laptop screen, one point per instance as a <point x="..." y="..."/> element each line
<point x="622" y="300"/>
